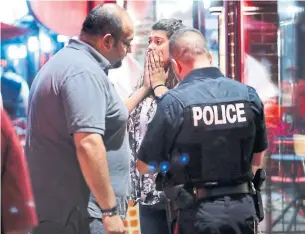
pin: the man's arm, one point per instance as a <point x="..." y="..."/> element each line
<point x="84" y="97"/>
<point x="91" y="154"/>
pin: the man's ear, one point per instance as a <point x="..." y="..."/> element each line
<point x="108" y="41"/>
<point x="176" y="66"/>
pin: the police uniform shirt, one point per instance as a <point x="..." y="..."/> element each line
<point x="169" y="116"/>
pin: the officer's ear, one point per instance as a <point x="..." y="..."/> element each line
<point x="176" y="66"/>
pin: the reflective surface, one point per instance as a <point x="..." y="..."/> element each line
<point x="273" y="63"/>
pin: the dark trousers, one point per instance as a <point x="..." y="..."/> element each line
<point x="50" y="227"/>
<point x="228" y="215"/>
<point x="153" y="220"/>
<point x="96" y="226"/>
<point x="89" y="226"/>
<point x="75" y="223"/>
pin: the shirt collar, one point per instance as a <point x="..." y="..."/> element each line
<point x="80" y="45"/>
<point x="202" y="73"/>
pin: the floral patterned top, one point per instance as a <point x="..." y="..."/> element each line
<point x="143" y="186"/>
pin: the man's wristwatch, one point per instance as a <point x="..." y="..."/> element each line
<point x="110" y="212"/>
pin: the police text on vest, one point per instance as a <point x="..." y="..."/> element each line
<point x="219" y="114"/>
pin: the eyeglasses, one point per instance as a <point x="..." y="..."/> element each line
<point x="126" y="43"/>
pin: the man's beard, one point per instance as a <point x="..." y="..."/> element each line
<point x="118" y="64"/>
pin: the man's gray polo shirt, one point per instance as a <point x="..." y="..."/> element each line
<point x="72" y="93"/>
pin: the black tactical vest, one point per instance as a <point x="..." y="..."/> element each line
<point x="216" y="137"/>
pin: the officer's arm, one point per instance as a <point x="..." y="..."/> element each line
<point x="257" y="161"/>
<point x="144" y="168"/>
<point x="260" y="142"/>
<point x="154" y="147"/>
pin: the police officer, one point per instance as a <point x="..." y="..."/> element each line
<point x="213" y="128"/>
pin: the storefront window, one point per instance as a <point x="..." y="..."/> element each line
<point x="273" y="58"/>
<point x="11" y="11"/>
<point x="182" y="10"/>
<point x="209" y="26"/>
<point x="143" y="14"/>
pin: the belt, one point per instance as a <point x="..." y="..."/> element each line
<point x="202" y="193"/>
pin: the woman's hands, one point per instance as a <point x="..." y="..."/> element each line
<point x="156" y="69"/>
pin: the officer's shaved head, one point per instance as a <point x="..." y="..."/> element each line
<point x="188" y="51"/>
<point x="187" y="44"/>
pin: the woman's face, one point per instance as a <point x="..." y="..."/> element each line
<point x="158" y="40"/>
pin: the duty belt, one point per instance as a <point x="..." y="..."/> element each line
<point x="202" y="193"/>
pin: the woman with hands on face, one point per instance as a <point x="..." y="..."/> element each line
<point x="159" y="77"/>
<point x="157" y="73"/>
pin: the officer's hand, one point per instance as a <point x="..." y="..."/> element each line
<point x="146" y="84"/>
<point x="156" y="68"/>
<point x="113" y="225"/>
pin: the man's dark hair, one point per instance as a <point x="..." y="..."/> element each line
<point x="101" y="21"/>
<point x="170" y="26"/>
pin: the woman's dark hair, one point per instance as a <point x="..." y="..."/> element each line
<point x="170" y="26"/>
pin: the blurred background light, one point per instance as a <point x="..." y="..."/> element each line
<point x="33" y="44"/>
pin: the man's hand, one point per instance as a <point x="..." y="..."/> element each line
<point x="156" y="68"/>
<point x="113" y="224"/>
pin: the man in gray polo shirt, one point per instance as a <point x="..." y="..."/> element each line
<point x="76" y="138"/>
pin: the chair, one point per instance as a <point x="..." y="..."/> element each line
<point x="291" y="172"/>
